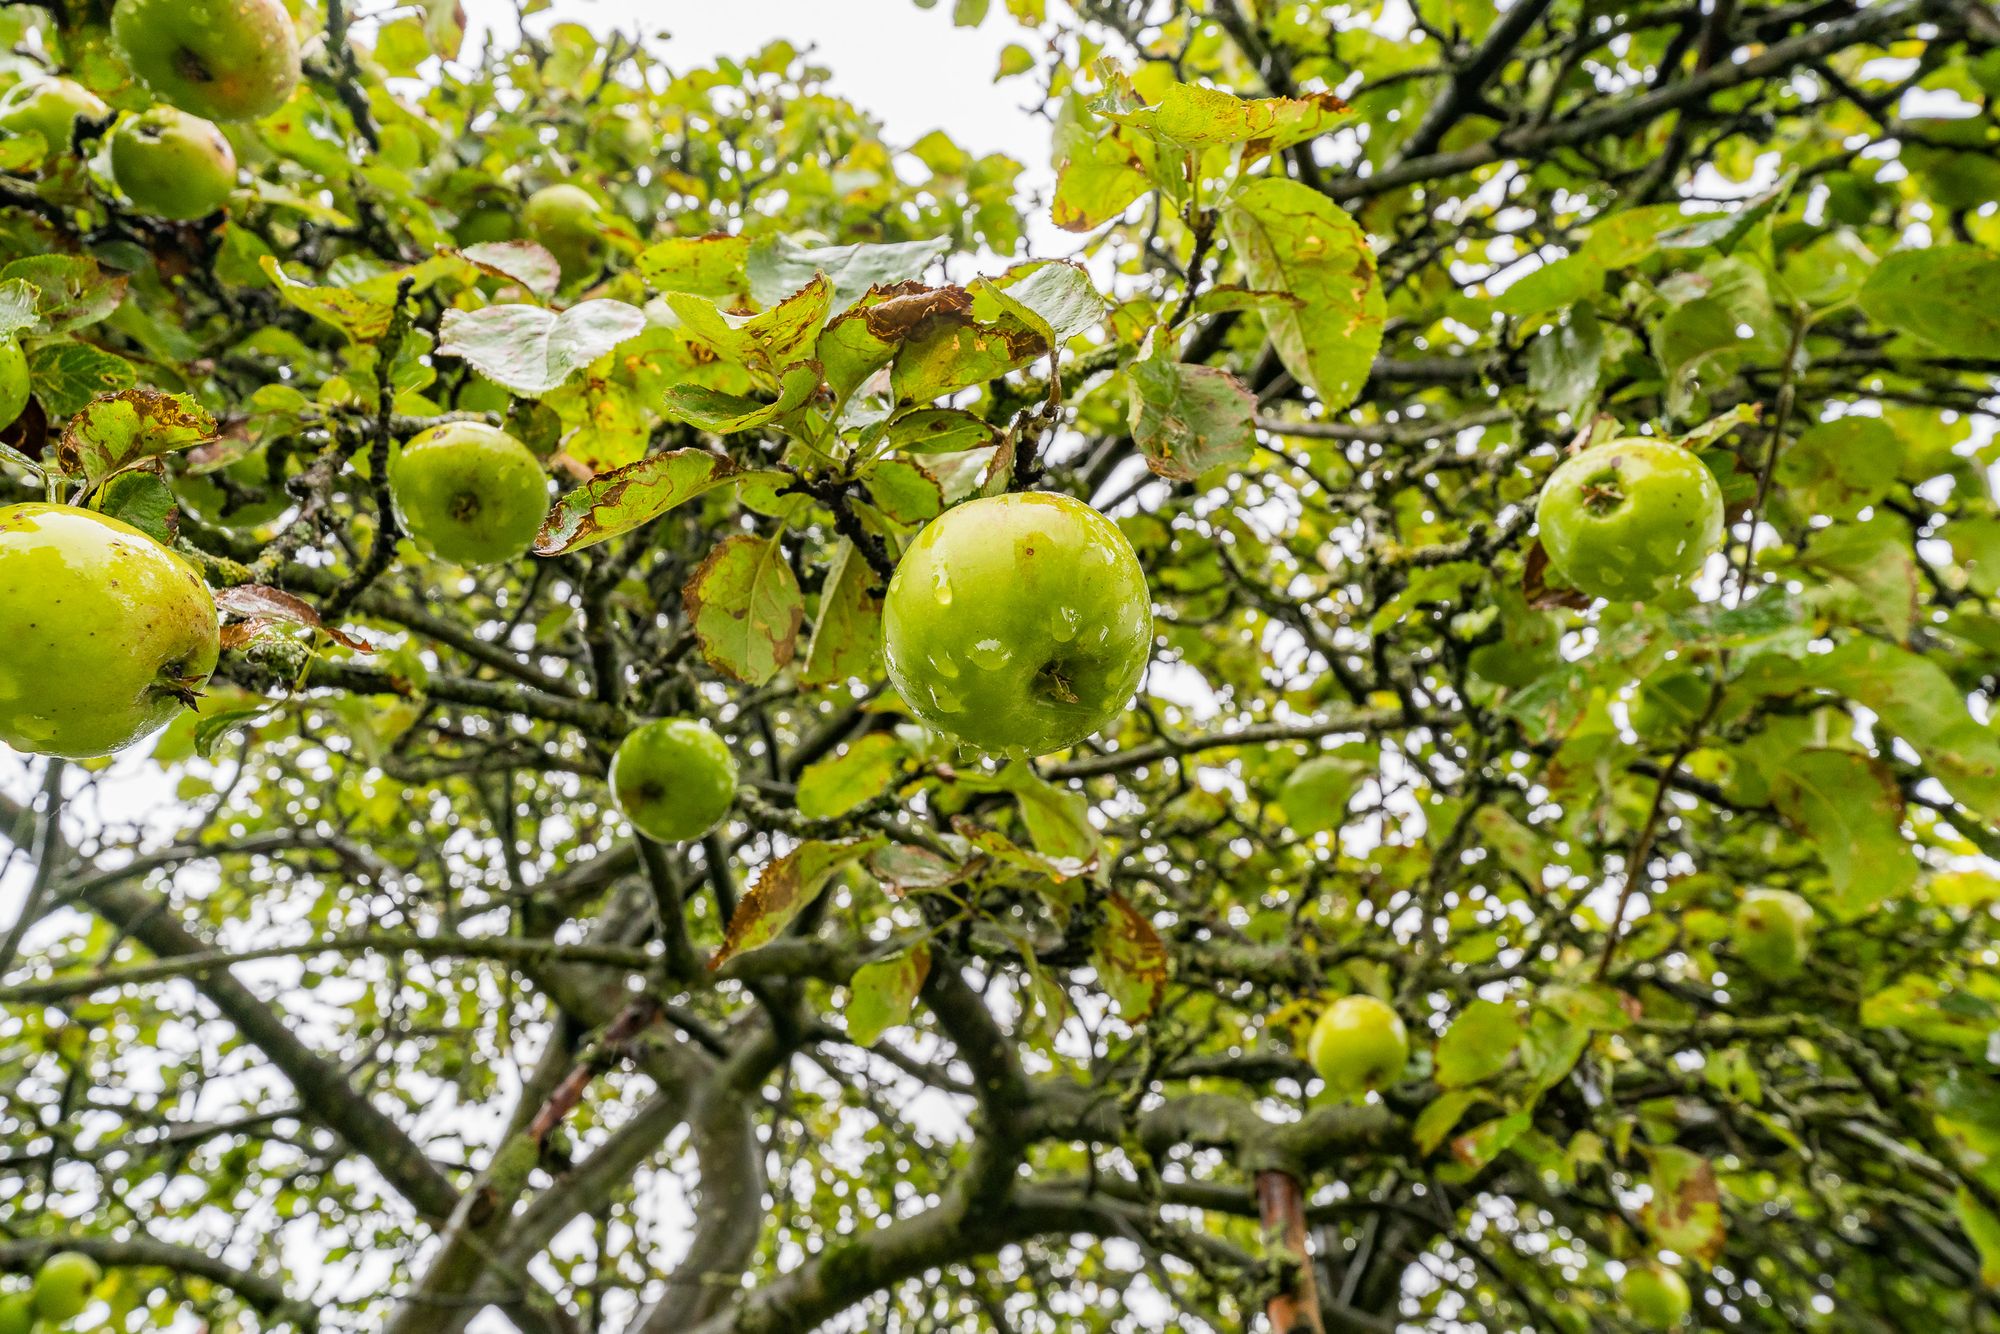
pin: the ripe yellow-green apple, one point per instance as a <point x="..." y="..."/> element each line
<point x="1629" y="519"/>
<point x="14" y="382"/>
<point x="1655" y="1296"/>
<point x="1773" y="932"/>
<point x="104" y="633"/>
<point x="563" y="219"/>
<point x="171" y="164"/>
<point x="220" y="59"/>
<point x="240" y="494"/>
<point x="469" y="493"/>
<point x="673" y="778"/>
<point x="1018" y="623"/>
<point x="17" y="1313"/>
<point x="49" y="108"/>
<point x="1358" y="1045"/>
<point x="63" y="1285"/>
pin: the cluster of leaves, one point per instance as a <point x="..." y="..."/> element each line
<point x="1347" y="284"/>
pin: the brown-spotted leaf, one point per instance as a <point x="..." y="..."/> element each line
<point x="620" y="500"/>
<point x="902" y="868"/>
<point x="710" y="265"/>
<point x="114" y="430"/>
<point x="1130" y="958"/>
<point x="784" y="888"/>
<point x="881" y="993"/>
<point x="1187" y="419"/>
<point x="746" y="608"/>
<point x="260" y="605"/>
<point x="1685" y="1213"/>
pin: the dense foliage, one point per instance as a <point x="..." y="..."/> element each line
<point x="390" y="1020"/>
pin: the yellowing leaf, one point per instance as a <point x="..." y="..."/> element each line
<point x="861" y="772"/>
<point x="1130" y="959"/>
<point x="881" y="994"/>
<point x="618" y="501"/>
<point x="783" y="889"/>
<point x="745" y="605"/>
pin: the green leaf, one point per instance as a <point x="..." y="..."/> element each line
<point x="1187" y="419"/>
<point x="1685" y="1213"/>
<point x="363" y="319"/>
<point x="1481" y="1145"/>
<point x="1849" y="806"/>
<point x="1190" y="116"/>
<point x="780" y="266"/>
<point x="71" y="291"/>
<point x="117" y="429"/>
<point x="1934" y="1012"/>
<point x="1054" y="298"/>
<point x="766" y="342"/>
<point x="881" y="994"/>
<point x="1555" y="286"/>
<point x="1293" y="239"/>
<point x="1130" y="959"/>
<point x="860" y="772"/>
<point x="142" y="500"/>
<point x="1947" y="295"/>
<point x="623" y="499"/>
<point x="68" y="374"/>
<point x="522" y="262"/>
<point x="1315" y="794"/>
<point x="1565" y="361"/>
<point x="941" y="431"/>
<point x="1478" y="1044"/>
<point x="214" y="728"/>
<point x="711" y="265"/>
<point x="1725" y="231"/>
<point x="1439" y="1116"/>
<point x="1917" y="700"/>
<point x="1983" y="1229"/>
<point x="1840" y="467"/>
<point x="847" y="632"/>
<point x="1057" y="819"/>
<point x="725" y="414"/>
<point x="903" y="491"/>
<point x="783" y="889"/>
<point x="1872" y="573"/>
<point x="745" y="606"/>
<point x="531" y="350"/>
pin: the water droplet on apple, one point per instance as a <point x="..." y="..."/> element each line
<point x="1064" y="622"/>
<point x="941" y="585"/>
<point x="943" y="700"/>
<point x="989" y="655"/>
<point x="943" y="665"/>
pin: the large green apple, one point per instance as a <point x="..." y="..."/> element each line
<point x="674" y="779"/>
<point x="63" y="1285"/>
<point x="1629" y="519"/>
<point x="1655" y="1296"/>
<point x="1359" y="1044"/>
<point x="171" y="164"/>
<point x="1773" y="932"/>
<point x="14" y="382"/>
<point x="49" y="107"/>
<point x="564" y="220"/>
<point x="222" y="59"/>
<point x="469" y="493"/>
<point x="104" y="633"/>
<point x="1018" y="623"/>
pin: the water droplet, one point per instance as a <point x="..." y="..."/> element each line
<point x="943" y="665"/>
<point x="1064" y="622"/>
<point x="989" y="655"/>
<point x="941" y="585"/>
<point x="1103" y="633"/>
<point x="944" y="700"/>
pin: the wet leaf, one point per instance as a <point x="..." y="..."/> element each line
<point x="531" y="350"/>
<point x="114" y="430"/>
<point x="783" y="889"/>
<point x="745" y="606"/>
<point x="625" y="498"/>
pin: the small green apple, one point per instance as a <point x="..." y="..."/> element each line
<point x="171" y="164"/>
<point x="1773" y="932"/>
<point x="674" y="779"/>
<point x="1018" y="623"/>
<point x="63" y="1285"/>
<point x="14" y="382"/>
<point x="1655" y="1295"/>
<point x="1358" y="1045"/>
<point x="221" y="59"/>
<point x="564" y="220"/>
<point x="469" y="493"/>
<point x="1631" y="518"/>
<point x="50" y="108"/>
<point x="17" y="1313"/>
<point x="104" y="633"/>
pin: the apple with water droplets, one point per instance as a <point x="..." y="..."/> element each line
<point x="674" y="779"/>
<point x="1630" y="519"/>
<point x="1019" y="624"/>
<point x="469" y="493"/>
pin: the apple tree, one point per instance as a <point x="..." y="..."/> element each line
<point x="1363" y="702"/>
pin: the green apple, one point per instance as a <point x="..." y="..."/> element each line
<point x="50" y="108"/>
<point x="1773" y="932"/>
<point x="488" y="218"/>
<point x="63" y="1285"/>
<point x="251" y="498"/>
<point x="1018" y="623"/>
<point x="1655" y="1296"/>
<point x="104" y="633"/>
<point x="14" y="384"/>
<point x="222" y="59"/>
<point x="171" y="164"/>
<point x="674" y="779"/>
<point x="17" y="1313"/>
<point x="564" y="220"/>
<point x="1629" y="519"/>
<point x="469" y="493"/>
<point x="1358" y="1045"/>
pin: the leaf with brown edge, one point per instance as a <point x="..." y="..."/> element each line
<point x="746" y="608"/>
<point x="620" y="500"/>
<point x="1685" y="1213"/>
<point x="881" y="993"/>
<point x="114" y="430"/>
<point x="1130" y="958"/>
<point x="784" y="888"/>
<point x="260" y="606"/>
<point x="710" y="265"/>
<point x="522" y="262"/>
<point x="1187" y="419"/>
